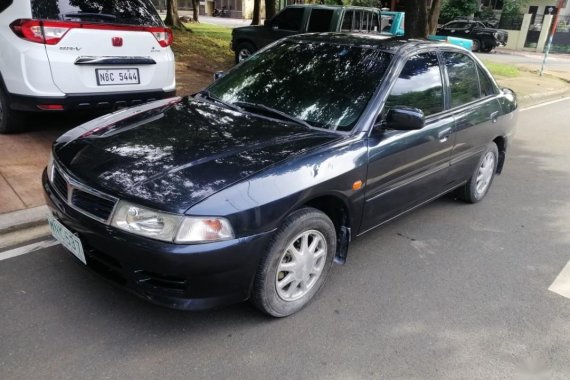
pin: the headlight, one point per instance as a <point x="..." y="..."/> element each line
<point x="50" y="167"/>
<point x="169" y="227"/>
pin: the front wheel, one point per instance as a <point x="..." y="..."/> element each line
<point x="480" y="182"/>
<point x="244" y="51"/>
<point x="297" y="263"/>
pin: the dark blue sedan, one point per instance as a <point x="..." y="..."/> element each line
<point x="253" y="187"/>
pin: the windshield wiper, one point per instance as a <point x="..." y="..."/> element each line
<point x="91" y="15"/>
<point x="273" y="111"/>
<point x="208" y="95"/>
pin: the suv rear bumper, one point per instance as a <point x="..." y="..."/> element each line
<point x="87" y="102"/>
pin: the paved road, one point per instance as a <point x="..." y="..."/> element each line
<point x="449" y="291"/>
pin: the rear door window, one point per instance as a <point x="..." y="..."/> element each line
<point x="347" y="21"/>
<point x="127" y="12"/>
<point x="289" y="19"/>
<point x="320" y="20"/>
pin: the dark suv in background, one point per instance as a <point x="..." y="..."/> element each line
<point x="297" y="19"/>
<point x="484" y="38"/>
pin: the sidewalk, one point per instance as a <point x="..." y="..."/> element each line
<point x="25" y="155"/>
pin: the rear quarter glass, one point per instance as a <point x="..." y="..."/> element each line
<point x="5" y="4"/>
<point x="126" y="12"/>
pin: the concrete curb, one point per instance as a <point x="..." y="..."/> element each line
<point x="534" y="99"/>
<point x="19" y="220"/>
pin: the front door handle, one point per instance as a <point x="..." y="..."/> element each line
<point x="443" y="135"/>
<point x="493" y="117"/>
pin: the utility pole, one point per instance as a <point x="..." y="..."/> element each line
<point x="561" y="4"/>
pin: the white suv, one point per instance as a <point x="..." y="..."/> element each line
<point x="68" y="55"/>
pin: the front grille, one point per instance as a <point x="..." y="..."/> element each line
<point x="60" y="184"/>
<point x="82" y="198"/>
<point x="92" y="204"/>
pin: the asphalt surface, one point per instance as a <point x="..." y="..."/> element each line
<point x="449" y="291"/>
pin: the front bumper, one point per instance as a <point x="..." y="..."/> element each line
<point x="187" y="277"/>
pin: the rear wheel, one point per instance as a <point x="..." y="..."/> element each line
<point x="476" y="45"/>
<point x="244" y="51"/>
<point x="10" y="120"/>
<point x="296" y="264"/>
<point x="480" y="182"/>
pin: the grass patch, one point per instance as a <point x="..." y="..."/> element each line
<point x="502" y="70"/>
<point x="210" y="42"/>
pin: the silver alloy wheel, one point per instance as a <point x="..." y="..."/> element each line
<point x="485" y="173"/>
<point x="244" y="54"/>
<point x="301" y="265"/>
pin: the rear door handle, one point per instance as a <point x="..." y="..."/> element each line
<point x="493" y="117"/>
<point x="443" y="136"/>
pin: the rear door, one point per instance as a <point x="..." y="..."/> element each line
<point x="100" y="46"/>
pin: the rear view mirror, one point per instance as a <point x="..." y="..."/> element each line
<point x="404" y="119"/>
<point x="218" y="75"/>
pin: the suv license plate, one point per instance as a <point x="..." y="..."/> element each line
<point x="114" y="77"/>
<point x="66" y="238"/>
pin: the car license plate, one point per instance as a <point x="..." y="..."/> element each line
<point x="66" y="238"/>
<point x="113" y="77"/>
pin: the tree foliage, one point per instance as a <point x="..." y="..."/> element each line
<point x="452" y="9"/>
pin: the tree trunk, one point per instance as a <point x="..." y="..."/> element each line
<point x="172" y="18"/>
<point x="269" y="9"/>
<point x="416" y="18"/>
<point x="433" y="16"/>
<point x="195" y="9"/>
<point x="256" y="6"/>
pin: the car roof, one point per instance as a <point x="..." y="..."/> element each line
<point x="395" y="45"/>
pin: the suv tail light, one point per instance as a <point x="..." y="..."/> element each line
<point x="51" y="32"/>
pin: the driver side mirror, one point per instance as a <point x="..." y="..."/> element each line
<point x="218" y="75"/>
<point x="269" y="24"/>
<point x="404" y="119"/>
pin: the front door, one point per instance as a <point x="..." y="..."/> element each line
<point x="407" y="168"/>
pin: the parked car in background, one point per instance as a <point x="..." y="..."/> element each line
<point x="253" y="187"/>
<point x="484" y="38"/>
<point x="309" y="18"/>
<point x="67" y="55"/>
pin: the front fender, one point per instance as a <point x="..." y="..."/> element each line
<point x="261" y="202"/>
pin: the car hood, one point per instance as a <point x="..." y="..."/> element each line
<point x="248" y="29"/>
<point x="173" y="155"/>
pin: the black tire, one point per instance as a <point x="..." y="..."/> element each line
<point x="265" y="294"/>
<point x="10" y="120"/>
<point x="243" y="51"/>
<point x="476" y="45"/>
<point x="486" y="47"/>
<point x="472" y="192"/>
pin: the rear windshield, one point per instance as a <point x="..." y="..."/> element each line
<point x="129" y="12"/>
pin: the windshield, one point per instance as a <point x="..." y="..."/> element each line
<point x="129" y="12"/>
<point x="326" y="85"/>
